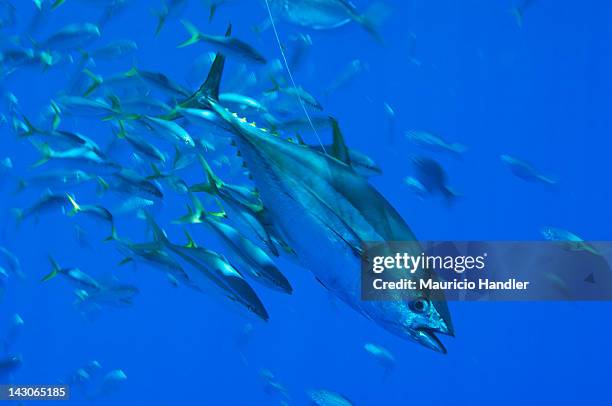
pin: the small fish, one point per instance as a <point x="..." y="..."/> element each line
<point x="134" y="203"/>
<point x="111" y="382"/>
<point x="416" y="186"/>
<point x="113" y="50"/>
<point x="433" y="177"/>
<point x="175" y="7"/>
<point x="434" y="142"/>
<point x="74" y="275"/>
<point x="301" y="44"/>
<point x="271" y="384"/>
<point x="82" y="156"/>
<point x="10" y="261"/>
<point x="382" y="355"/>
<point x="323" y="397"/>
<point x="128" y="181"/>
<point x="13" y="333"/>
<point x="159" y="81"/>
<point x="59" y="179"/>
<point x="48" y="202"/>
<point x="84" y="107"/>
<point x="71" y="37"/>
<point x="255" y="260"/>
<point x="93" y="210"/>
<point x="296" y="92"/>
<point x="568" y="239"/>
<point x="214" y="268"/>
<point x="354" y="68"/>
<point x="524" y="170"/>
<point x="168" y="129"/>
<point x="329" y="14"/>
<point x="518" y="11"/>
<point x="225" y="43"/>
<point x="9" y="364"/>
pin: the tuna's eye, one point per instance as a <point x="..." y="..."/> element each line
<point x="419" y="305"/>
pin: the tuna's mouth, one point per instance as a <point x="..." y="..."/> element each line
<point x="427" y="337"/>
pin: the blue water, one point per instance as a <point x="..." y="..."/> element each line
<point x="541" y="92"/>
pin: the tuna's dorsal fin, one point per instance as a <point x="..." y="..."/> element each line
<point x="210" y="87"/>
<point x="338" y="149"/>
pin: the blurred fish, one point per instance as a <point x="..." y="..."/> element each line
<point x="518" y="11"/>
<point x="159" y="81"/>
<point x="59" y="179"/>
<point x="111" y="383"/>
<point x="115" y="295"/>
<point x="226" y="43"/>
<point x="129" y="182"/>
<point x="296" y="92"/>
<point x="83" y="156"/>
<point x="272" y="386"/>
<point x="9" y="364"/>
<point x="48" y="202"/>
<point x="84" y="107"/>
<point x="71" y="37"/>
<point x="8" y="14"/>
<point x="133" y="203"/>
<point x="568" y="240"/>
<point x="170" y="8"/>
<point x="300" y="44"/>
<point x="525" y="170"/>
<point x="354" y="68"/>
<point x="434" y="142"/>
<point x="9" y="261"/>
<point x="328" y="14"/>
<point x="433" y="177"/>
<point x="13" y="333"/>
<point x="416" y="186"/>
<point x="382" y="355"/>
<point x="323" y="397"/>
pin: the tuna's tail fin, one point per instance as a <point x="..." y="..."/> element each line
<point x="373" y="18"/>
<point x="55" y="268"/>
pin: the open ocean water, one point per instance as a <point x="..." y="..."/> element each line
<point x="469" y="72"/>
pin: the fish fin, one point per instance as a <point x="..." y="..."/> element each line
<point x="162" y="16"/>
<point x="190" y="242"/>
<point x="131" y="73"/>
<point x="159" y="234"/>
<point x="213" y="181"/>
<point x="125" y="260"/>
<point x="210" y="87"/>
<point x="55" y="268"/>
<point x="22" y="184"/>
<point x="156" y="172"/>
<point x="373" y="18"/>
<point x="96" y="82"/>
<point x="18" y="213"/>
<point x="75" y="206"/>
<point x="30" y="128"/>
<point x="213" y="10"/>
<point x="177" y="157"/>
<point x="339" y="150"/>
<point x="56" y="4"/>
<point x="102" y="185"/>
<point x="46" y="154"/>
<point x="57" y="115"/>
<point x="197" y="204"/>
<point x="221" y="213"/>
<point x="195" y="34"/>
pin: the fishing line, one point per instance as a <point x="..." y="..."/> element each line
<point x="280" y="47"/>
